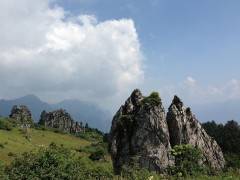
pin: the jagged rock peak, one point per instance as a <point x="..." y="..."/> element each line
<point x="61" y="120"/>
<point x="21" y="114"/>
<point x="136" y="96"/>
<point x="177" y="102"/>
<point x="139" y="134"/>
<point x="184" y="128"/>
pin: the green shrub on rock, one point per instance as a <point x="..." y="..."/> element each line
<point x="152" y="99"/>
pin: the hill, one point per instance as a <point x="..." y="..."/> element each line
<point x="13" y="143"/>
<point x="80" y="111"/>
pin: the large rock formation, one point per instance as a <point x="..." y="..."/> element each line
<point x="21" y="114"/>
<point x="142" y="135"/>
<point x="184" y="128"/>
<point x="139" y="134"/>
<point x="60" y="120"/>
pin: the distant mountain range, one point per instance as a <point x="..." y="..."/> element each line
<point x="80" y="111"/>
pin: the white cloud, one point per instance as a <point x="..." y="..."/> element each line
<point x="190" y="81"/>
<point x="46" y="52"/>
<point x="196" y="92"/>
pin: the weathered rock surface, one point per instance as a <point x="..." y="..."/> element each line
<point x="184" y="128"/>
<point x="60" y="120"/>
<point x="139" y="134"/>
<point x="21" y="114"/>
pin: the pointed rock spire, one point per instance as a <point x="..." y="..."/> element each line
<point x="184" y="128"/>
<point x="139" y="135"/>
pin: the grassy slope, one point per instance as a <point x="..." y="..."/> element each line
<point x="15" y="142"/>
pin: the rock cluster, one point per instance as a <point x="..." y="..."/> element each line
<point x="21" y="114"/>
<point x="60" y="120"/>
<point x="142" y="135"/>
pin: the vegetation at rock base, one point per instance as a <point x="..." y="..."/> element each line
<point x="187" y="160"/>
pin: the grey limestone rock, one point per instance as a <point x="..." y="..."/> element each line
<point x="139" y="134"/>
<point x="21" y="114"/>
<point x="184" y="128"/>
<point x="61" y="120"/>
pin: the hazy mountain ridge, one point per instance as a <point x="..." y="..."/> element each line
<point x="80" y="111"/>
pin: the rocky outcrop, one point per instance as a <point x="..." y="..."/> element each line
<point x="139" y="134"/>
<point x="21" y="114"/>
<point x="184" y="128"/>
<point x="60" y="120"/>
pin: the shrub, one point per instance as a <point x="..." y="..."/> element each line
<point x="2" y="145"/>
<point x="97" y="155"/>
<point x="232" y="161"/>
<point x="56" y="162"/>
<point x="91" y="135"/>
<point x="97" y="151"/>
<point x="6" y="125"/>
<point x="10" y="154"/>
<point x="187" y="160"/>
<point x="153" y="99"/>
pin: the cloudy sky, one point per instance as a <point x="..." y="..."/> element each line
<point x="100" y="50"/>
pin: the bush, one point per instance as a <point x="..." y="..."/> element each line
<point x="56" y="162"/>
<point x="91" y="135"/>
<point x="10" y="154"/>
<point x="153" y="99"/>
<point x="5" y="124"/>
<point x="2" y="145"/>
<point x="232" y="161"/>
<point x="187" y="160"/>
<point x="97" y="155"/>
<point x="97" y="151"/>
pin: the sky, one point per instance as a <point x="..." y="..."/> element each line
<point x="100" y="50"/>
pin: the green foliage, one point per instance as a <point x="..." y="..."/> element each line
<point x="187" y="160"/>
<point x="5" y="124"/>
<point x="2" y="145"/>
<point x="232" y="161"/>
<point x="2" y="173"/>
<point x="153" y="99"/>
<point x="91" y="135"/>
<point x="97" y="151"/>
<point x="227" y="136"/>
<point x="55" y="162"/>
<point x="138" y="174"/>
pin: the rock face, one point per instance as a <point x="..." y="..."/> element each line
<point x="139" y="134"/>
<point x="184" y="128"/>
<point x="21" y="114"/>
<point x="142" y="135"/>
<point x="60" y="120"/>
